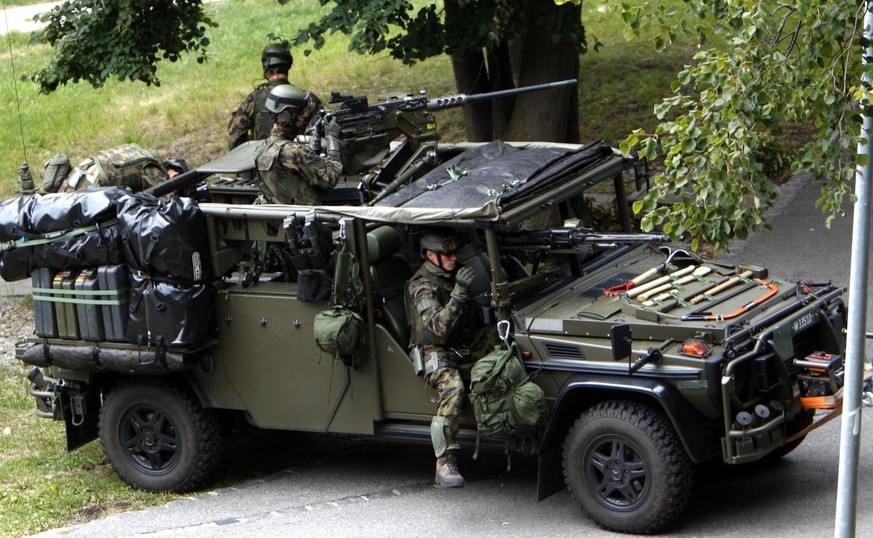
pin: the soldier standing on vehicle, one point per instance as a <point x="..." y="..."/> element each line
<point x="446" y="327"/>
<point x="291" y="172"/>
<point x="251" y="121"/>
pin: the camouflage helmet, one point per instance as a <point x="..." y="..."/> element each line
<point x="441" y="240"/>
<point x="287" y="96"/>
<point x="276" y="57"/>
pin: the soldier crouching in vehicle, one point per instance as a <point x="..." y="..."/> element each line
<point x="449" y="331"/>
<point x="291" y="172"/>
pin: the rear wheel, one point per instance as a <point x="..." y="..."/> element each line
<point x="626" y="467"/>
<point x="158" y="437"/>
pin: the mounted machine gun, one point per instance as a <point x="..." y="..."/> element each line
<point x="575" y="239"/>
<point x="369" y="129"/>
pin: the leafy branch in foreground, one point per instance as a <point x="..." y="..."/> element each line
<point x="797" y="63"/>
<point x="95" y="40"/>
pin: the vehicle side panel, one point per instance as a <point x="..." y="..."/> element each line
<point x="404" y="396"/>
<point x="269" y="361"/>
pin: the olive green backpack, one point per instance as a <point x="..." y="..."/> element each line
<point x="340" y="330"/>
<point x="505" y="401"/>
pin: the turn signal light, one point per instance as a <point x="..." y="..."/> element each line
<point x="695" y="348"/>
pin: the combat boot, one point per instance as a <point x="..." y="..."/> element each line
<point x="447" y="475"/>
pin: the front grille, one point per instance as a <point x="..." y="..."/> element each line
<point x="564" y="351"/>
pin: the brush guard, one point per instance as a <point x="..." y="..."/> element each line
<point x="748" y="440"/>
<point x="755" y="432"/>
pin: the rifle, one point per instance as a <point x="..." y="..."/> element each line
<point x="367" y="130"/>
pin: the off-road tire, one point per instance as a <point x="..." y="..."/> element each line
<point x="158" y="437"/>
<point x="626" y="467"/>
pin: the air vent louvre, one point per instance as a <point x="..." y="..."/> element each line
<point x="564" y="351"/>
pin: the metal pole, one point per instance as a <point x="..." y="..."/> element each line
<point x="850" y="437"/>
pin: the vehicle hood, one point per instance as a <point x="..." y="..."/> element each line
<point x="582" y="308"/>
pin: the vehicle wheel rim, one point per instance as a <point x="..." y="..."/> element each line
<point x="616" y="473"/>
<point x="150" y="438"/>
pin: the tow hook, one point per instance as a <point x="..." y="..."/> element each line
<point x="45" y="393"/>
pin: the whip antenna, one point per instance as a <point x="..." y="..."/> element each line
<point x="25" y="179"/>
<point x="14" y="82"/>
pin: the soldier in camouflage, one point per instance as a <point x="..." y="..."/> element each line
<point x="291" y="172"/>
<point x="251" y="121"/>
<point x="448" y="330"/>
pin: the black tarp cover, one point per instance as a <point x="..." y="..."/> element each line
<point x="496" y="172"/>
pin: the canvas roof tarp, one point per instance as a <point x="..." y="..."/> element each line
<point x="479" y="185"/>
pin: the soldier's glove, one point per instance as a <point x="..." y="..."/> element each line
<point x="332" y="132"/>
<point x="463" y="279"/>
<point x="315" y="134"/>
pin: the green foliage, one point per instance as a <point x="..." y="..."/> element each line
<point x="98" y="39"/>
<point x="412" y="35"/>
<point x="186" y="116"/>
<point x="42" y="484"/>
<point x="785" y="63"/>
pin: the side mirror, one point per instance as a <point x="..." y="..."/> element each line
<point x="620" y="337"/>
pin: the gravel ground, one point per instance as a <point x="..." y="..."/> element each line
<point x="16" y="322"/>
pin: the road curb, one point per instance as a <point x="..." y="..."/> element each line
<point x="19" y="288"/>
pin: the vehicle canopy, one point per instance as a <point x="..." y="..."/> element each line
<point x="489" y="185"/>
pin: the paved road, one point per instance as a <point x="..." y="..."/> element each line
<point x="20" y="19"/>
<point x="352" y="487"/>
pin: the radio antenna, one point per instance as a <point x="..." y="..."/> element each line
<point x="14" y="82"/>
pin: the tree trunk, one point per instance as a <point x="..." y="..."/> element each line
<point x="500" y="73"/>
<point x="535" y="58"/>
<point x="471" y="76"/>
<point x="550" y="115"/>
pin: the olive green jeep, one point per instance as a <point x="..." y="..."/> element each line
<point x="651" y="359"/>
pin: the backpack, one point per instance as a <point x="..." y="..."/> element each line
<point x="55" y="172"/>
<point x="505" y="401"/>
<point x="127" y="165"/>
<point x="340" y="330"/>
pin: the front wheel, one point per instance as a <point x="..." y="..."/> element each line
<point x="625" y="465"/>
<point x="158" y="437"/>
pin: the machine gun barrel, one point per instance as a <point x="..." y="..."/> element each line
<point x="624" y="238"/>
<point x="579" y="237"/>
<point x="452" y="101"/>
<point x="191" y="177"/>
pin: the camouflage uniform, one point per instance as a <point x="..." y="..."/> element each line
<point x="251" y="121"/>
<point x="291" y="173"/>
<point x="449" y="332"/>
<point x="127" y="165"/>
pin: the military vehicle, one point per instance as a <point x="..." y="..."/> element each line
<point x="651" y="359"/>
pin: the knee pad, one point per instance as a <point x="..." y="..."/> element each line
<point x="438" y="436"/>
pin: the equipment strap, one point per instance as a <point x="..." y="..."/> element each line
<point x="54" y="236"/>
<point x="115" y="297"/>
